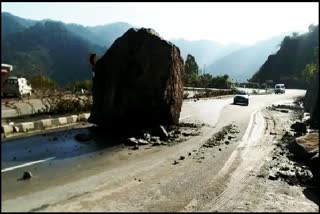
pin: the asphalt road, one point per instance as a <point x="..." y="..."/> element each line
<point x="65" y="169"/>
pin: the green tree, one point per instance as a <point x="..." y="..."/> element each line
<point x="308" y="71"/>
<point x="191" y="71"/>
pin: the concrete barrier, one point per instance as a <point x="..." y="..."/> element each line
<point x="7" y="129"/>
<point x="72" y="119"/>
<point x="38" y="125"/>
<point x="44" y="124"/>
<point x="84" y="117"/>
<point x="62" y="120"/>
<point x="25" y="127"/>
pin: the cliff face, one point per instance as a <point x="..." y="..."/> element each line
<point x="288" y="63"/>
<point x="311" y="102"/>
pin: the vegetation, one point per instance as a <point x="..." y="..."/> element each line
<point x="294" y="63"/>
<point x="42" y="82"/>
<point x="78" y="85"/>
<point x="50" y="49"/>
<point x="193" y="79"/>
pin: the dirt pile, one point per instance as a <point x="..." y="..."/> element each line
<point x="138" y="82"/>
<point x="161" y="135"/>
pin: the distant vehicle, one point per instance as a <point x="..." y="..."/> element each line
<point x="241" y="97"/>
<point x="17" y="87"/>
<point x="279" y="89"/>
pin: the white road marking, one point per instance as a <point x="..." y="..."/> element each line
<point x="185" y="117"/>
<point x="26" y="164"/>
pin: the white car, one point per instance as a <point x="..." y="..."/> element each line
<point x="241" y="97"/>
<point x="17" y="87"/>
<point x="279" y="88"/>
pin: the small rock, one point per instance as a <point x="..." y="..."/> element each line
<point x="154" y="139"/>
<point x="219" y="149"/>
<point x="227" y="142"/>
<point x="26" y="175"/>
<point x="131" y="141"/>
<point x="129" y="153"/>
<point x="142" y="142"/>
<point x="189" y="154"/>
<point x="182" y="157"/>
<point x="299" y="127"/>
<point x="175" y="162"/>
<point x="156" y="144"/>
<point x="273" y="177"/>
<point x="162" y="133"/>
<point x="177" y="132"/>
<point x="284" y="111"/>
<point x="139" y="180"/>
<point x="147" y="136"/>
<point x="273" y="133"/>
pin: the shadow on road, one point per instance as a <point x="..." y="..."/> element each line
<point x="61" y="145"/>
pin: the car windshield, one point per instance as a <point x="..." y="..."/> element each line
<point x="241" y="92"/>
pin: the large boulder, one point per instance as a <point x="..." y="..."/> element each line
<point x="138" y="82"/>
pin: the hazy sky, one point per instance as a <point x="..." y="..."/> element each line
<point x="243" y="23"/>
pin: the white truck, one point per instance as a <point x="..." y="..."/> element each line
<point x="17" y="87"/>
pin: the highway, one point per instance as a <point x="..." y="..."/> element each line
<point x="100" y="175"/>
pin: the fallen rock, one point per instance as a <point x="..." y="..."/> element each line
<point x="26" y="175"/>
<point x="177" y="132"/>
<point x="156" y="144"/>
<point x="299" y="127"/>
<point x="161" y="132"/>
<point x="231" y="136"/>
<point x="284" y="111"/>
<point x="305" y="147"/>
<point x="182" y="158"/>
<point x="151" y="92"/>
<point x="142" y="142"/>
<point x="155" y="139"/>
<point x="131" y="141"/>
<point x="273" y="176"/>
<point x="175" y="162"/>
<point x="147" y="136"/>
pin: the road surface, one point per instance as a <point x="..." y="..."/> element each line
<point x="105" y="176"/>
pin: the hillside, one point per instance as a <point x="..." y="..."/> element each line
<point x="204" y="51"/>
<point x="287" y="64"/>
<point x="13" y="24"/>
<point x="49" y="48"/>
<point x="242" y="64"/>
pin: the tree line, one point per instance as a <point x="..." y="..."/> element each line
<point x="193" y="78"/>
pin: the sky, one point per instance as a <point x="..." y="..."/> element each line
<point x="226" y="23"/>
